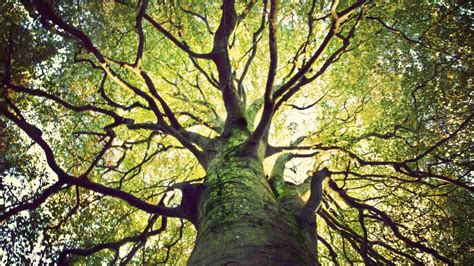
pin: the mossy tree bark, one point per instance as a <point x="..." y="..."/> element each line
<point x="241" y="220"/>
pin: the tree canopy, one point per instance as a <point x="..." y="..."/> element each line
<point x="110" y="110"/>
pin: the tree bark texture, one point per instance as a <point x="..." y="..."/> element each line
<point x="240" y="219"/>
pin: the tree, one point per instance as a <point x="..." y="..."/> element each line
<point x="255" y="132"/>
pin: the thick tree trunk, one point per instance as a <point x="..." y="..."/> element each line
<point x="240" y="220"/>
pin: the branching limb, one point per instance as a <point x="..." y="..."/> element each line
<point x="268" y="106"/>
<point x="112" y="103"/>
<point x="64" y="178"/>
<point x="285" y="92"/>
<point x="67" y="105"/>
<point x="402" y="167"/>
<point x="175" y="130"/>
<point x="220" y="56"/>
<point x="253" y="50"/>
<point x="355" y="240"/>
<point x="388" y="221"/>
<point x="333" y="31"/>
<point x="148" y="232"/>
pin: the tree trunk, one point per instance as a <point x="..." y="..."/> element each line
<point x="240" y="220"/>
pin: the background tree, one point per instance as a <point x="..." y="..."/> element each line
<point x="237" y="131"/>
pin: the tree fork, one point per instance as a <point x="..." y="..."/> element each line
<point x="240" y="218"/>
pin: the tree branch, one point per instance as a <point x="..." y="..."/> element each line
<point x="141" y="35"/>
<point x="147" y="232"/>
<point x="35" y="203"/>
<point x="36" y="135"/>
<point x="388" y="221"/>
<point x="268" y="106"/>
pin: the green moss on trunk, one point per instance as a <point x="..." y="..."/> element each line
<point x="240" y="219"/>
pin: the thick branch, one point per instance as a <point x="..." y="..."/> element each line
<point x="268" y="106"/>
<point x="308" y="214"/>
<point x="48" y="13"/>
<point x="141" y="35"/>
<point x="36" y="135"/>
<point x="220" y="56"/>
